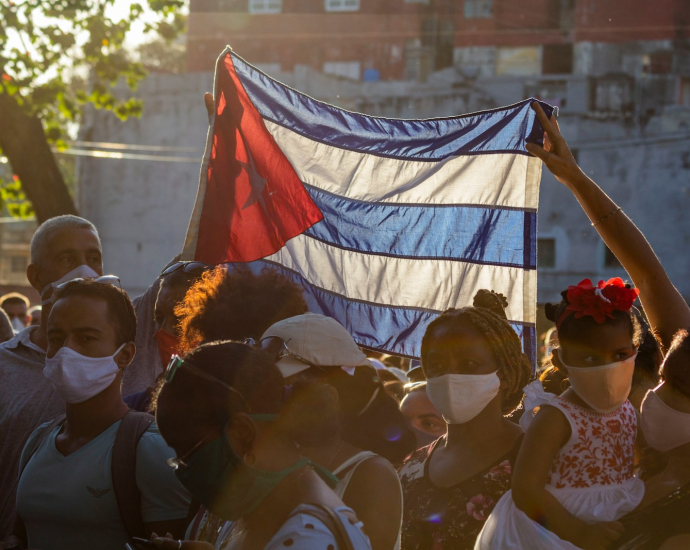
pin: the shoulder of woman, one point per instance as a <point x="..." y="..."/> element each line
<point x="550" y="414"/>
<point x="549" y="423"/>
<point x="375" y="472"/>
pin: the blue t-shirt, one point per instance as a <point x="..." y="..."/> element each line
<point x="68" y="502"/>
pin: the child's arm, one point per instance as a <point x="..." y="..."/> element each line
<point x="663" y="304"/>
<point x="547" y="434"/>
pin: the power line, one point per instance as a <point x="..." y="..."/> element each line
<point x="633" y="142"/>
<point x="117" y="155"/>
<point x="113" y="145"/>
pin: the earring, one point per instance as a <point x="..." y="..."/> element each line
<point x="249" y="459"/>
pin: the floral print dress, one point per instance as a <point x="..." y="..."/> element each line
<point x="449" y="518"/>
<point x="591" y="477"/>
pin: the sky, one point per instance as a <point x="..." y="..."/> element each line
<point x="118" y="10"/>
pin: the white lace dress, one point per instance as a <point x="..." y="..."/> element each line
<point x="592" y="476"/>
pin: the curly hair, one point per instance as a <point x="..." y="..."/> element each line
<point x="237" y="304"/>
<point x="488" y="316"/>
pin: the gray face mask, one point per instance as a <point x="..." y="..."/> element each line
<point x="17" y="324"/>
<point x="81" y="272"/>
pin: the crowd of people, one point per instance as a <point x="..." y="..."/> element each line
<point x="215" y="412"/>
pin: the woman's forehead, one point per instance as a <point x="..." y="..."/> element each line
<point x="458" y="333"/>
<point x="606" y="336"/>
<point x="457" y="325"/>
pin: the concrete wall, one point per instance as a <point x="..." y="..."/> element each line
<point x="142" y="207"/>
<point x="647" y="175"/>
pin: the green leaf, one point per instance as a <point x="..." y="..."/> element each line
<point x="66" y="54"/>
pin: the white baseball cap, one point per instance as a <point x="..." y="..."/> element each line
<point x="318" y="339"/>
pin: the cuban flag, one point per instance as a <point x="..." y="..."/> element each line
<point x="385" y="223"/>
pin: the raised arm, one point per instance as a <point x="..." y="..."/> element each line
<point x="665" y="307"/>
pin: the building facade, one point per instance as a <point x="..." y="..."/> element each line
<point x="408" y="39"/>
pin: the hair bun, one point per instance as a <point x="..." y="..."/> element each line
<point x="493" y="301"/>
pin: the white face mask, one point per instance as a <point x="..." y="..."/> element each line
<point x="604" y="388"/>
<point x="81" y="272"/>
<point x="77" y="377"/>
<point x="17" y="324"/>
<point x="461" y="397"/>
<point x="664" y="428"/>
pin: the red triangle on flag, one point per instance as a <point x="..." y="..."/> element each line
<point x="254" y="202"/>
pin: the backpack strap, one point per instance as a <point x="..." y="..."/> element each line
<point x="40" y="438"/>
<point x="332" y="521"/>
<point x="124" y="470"/>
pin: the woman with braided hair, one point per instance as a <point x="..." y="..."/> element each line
<point x="475" y="371"/>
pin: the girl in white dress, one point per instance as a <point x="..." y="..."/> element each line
<point x="574" y="475"/>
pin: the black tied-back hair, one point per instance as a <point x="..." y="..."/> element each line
<point x="489" y="317"/>
<point x="675" y="369"/>
<point x="240" y="366"/>
<point x="254" y="375"/>
<point x="648" y="352"/>
<point x="571" y="327"/>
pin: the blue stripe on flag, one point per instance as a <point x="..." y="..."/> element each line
<point x="475" y="234"/>
<point x="385" y="328"/>
<point x="498" y="130"/>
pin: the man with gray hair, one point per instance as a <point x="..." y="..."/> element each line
<point x="62" y="249"/>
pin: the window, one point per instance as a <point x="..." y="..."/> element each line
<point x="346" y="69"/>
<point x="546" y="253"/>
<point x="684" y="96"/>
<point x="477" y="9"/>
<point x="613" y="94"/>
<point x="610" y="261"/>
<point x="523" y="61"/>
<point x="265" y="6"/>
<point x="342" y="5"/>
<point x="419" y="60"/>
<point x="18" y="264"/>
<point x="661" y="62"/>
<point x="557" y="59"/>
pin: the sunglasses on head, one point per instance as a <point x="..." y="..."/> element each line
<point x="187" y="267"/>
<point x="103" y="280"/>
<point x="277" y="349"/>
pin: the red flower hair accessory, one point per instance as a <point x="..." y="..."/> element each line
<point x="598" y="302"/>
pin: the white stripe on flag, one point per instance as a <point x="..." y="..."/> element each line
<point x="411" y="283"/>
<point x="498" y="179"/>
